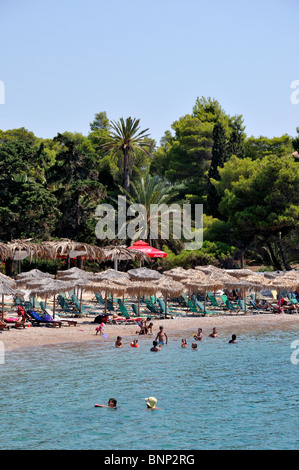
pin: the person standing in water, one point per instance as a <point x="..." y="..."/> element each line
<point x="161" y="336"/>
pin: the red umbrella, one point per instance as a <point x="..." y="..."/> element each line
<point x="149" y="250"/>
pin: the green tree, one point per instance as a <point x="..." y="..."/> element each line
<point x="75" y="182"/>
<point x="125" y="138"/>
<point x="185" y="157"/>
<point x="219" y="157"/>
<point x="155" y="195"/>
<point x="260" y="198"/>
<point x="28" y="209"/>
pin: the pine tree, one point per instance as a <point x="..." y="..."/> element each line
<point x="219" y="157"/>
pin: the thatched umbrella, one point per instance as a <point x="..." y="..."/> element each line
<point x="75" y="272"/>
<point x="106" y="286"/>
<point x="73" y="249"/>
<point x="120" y="253"/>
<point x="282" y="283"/>
<point x="5" y="289"/>
<point x="141" y="288"/>
<point x="169" y="288"/>
<point x="209" y="269"/>
<point x="180" y="273"/>
<point x="46" y="288"/>
<point x="34" y="273"/>
<point x="144" y="274"/>
<point x="6" y="279"/>
<point x="111" y="275"/>
<point x="239" y="272"/>
<point x="198" y="284"/>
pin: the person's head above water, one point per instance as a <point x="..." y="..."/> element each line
<point x="151" y="402"/>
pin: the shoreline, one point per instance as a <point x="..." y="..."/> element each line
<point x="84" y="331"/>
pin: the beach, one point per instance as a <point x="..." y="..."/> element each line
<point x="84" y="331"/>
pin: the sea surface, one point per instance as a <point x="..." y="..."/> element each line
<point x="222" y="396"/>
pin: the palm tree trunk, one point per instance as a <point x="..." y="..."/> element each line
<point x="126" y="181"/>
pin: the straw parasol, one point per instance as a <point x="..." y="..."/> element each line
<point x="74" y="249"/>
<point x="75" y="272"/>
<point x="239" y="272"/>
<point x="283" y="283"/>
<point x="34" y="273"/>
<point x="45" y="288"/>
<point x="6" y="289"/>
<point x="111" y="274"/>
<point x="198" y="284"/>
<point x="171" y="288"/>
<point x="141" y="288"/>
<point x="180" y="273"/>
<point x="106" y="286"/>
<point x="6" y="279"/>
<point x="209" y="269"/>
<point x="144" y="274"/>
<point x="121" y="253"/>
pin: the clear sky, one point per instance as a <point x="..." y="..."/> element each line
<point x="63" y="61"/>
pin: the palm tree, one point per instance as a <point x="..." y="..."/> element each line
<point x="125" y="136"/>
<point x="156" y="196"/>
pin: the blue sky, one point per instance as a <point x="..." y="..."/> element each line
<point x="63" y="61"/>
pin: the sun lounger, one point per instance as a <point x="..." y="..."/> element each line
<point x="42" y="319"/>
<point x="192" y="306"/>
<point x="202" y="309"/>
<point x="124" y="312"/>
<point x="212" y="299"/>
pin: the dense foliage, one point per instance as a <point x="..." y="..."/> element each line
<point x="50" y="188"/>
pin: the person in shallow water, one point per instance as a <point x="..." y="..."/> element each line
<point x="161" y="336"/>
<point x="151" y="403"/>
<point x="233" y="340"/>
<point x="111" y="404"/>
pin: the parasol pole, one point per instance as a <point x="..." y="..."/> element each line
<point x="2" y="306"/>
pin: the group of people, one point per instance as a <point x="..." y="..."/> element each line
<point x="162" y="339"/>
<point x="151" y="403"/>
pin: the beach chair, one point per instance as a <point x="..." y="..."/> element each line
<point x="100" y="299"/>
<point x="42" y="319"/>
<point x="192" y="306"/>
<point x="18" y="301"/>
<point x="152" y="308"/>
<point x="57" y="318"/>
<point x="231" y="307"/>
<point x="212" y="299"/>
<point x="66" y="310"/>
<point x="202" y="309"/>
<point x="28" y="305"/>
<point x="162" y="305"/>
<point x="124" y="312"/>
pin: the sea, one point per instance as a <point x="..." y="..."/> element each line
<point x="222" y="396"/>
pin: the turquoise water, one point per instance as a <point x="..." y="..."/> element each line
<point x="223" y="396"/>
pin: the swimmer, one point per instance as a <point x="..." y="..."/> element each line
<point x="111" y="404"/>
<point x="118" y="342"/>
<point x="194" y="346"/>
<point x="134" y="343"/>
<point x="233" y="340"/>
<point x="214" y="333"/>
<point x="162" y="336"/>
<point x="151" y="403"/>
<point x="184" y="343"/>
<point x="199" y="334"/>
<point x="155" y="347"/>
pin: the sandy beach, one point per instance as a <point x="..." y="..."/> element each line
<point x="227" y="325"/>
